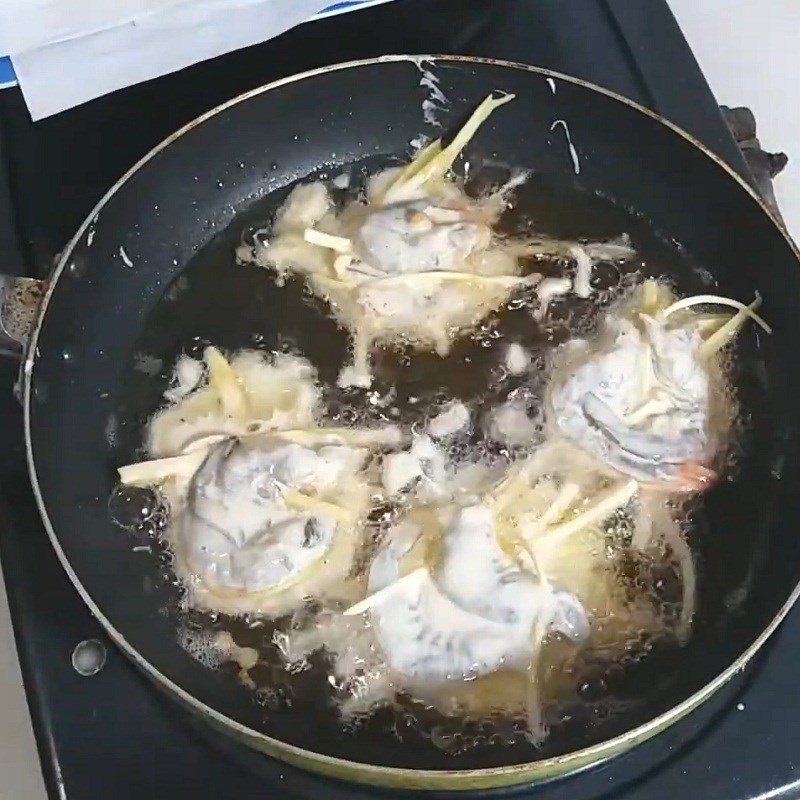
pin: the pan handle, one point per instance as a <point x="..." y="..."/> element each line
<point x="19" y="306"/>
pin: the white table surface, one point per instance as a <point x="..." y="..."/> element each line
<point x="749" y="51"/>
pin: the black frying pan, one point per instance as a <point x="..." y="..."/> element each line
<point x="88" y="388"/>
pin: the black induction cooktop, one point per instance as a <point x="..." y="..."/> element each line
<point x="115" y="735"/>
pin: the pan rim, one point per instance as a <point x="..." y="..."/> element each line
<point x="309" y="759"/>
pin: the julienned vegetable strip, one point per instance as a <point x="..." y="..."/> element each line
<point x="533" y="702"/>
<point x="452" y="275"/>
<point x="339" y="244"/>
<point x="224" y="381"/>
<point x="564" y="499"/>
<point x="376" y="597"/>
<point x="147" y="473"/>
<point x="716" y="300"/>
<point x="298" y="501"/>
<point x="724" y="334"/>
<point x="437" y="166"/>
<point x="422" y="159"/>
<point x="388" y="435"/>
<point x="603" y="506"/>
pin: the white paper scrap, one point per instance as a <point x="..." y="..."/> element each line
<point x="25" y="24"/>
<point x="80" y="50"/>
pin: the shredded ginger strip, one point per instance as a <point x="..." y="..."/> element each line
<point x="508" y="281"/>
<point x="438" y="165"/>
<point x="604" y="504"/>
<point x="339" y="244"/>
<point x="728" y="330"/>
<point x="716" y="300"/>
<point x="224" y="381"/>
<point x="147" y="473"/>
<point x="376" y="597"/>
<point x="298" y="501"/>
<point x="422" y="159"/>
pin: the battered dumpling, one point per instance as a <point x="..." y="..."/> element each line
<point x="470" y="614"/>
<point x="643" y="396"/>
<point x="266" y="507"/>
<point x="478" y="572"/>
<point x="269" y="521"/>
<point x="418" y="236"/>
<point x="639" y="401"/>
<point x="416" y="261"/>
